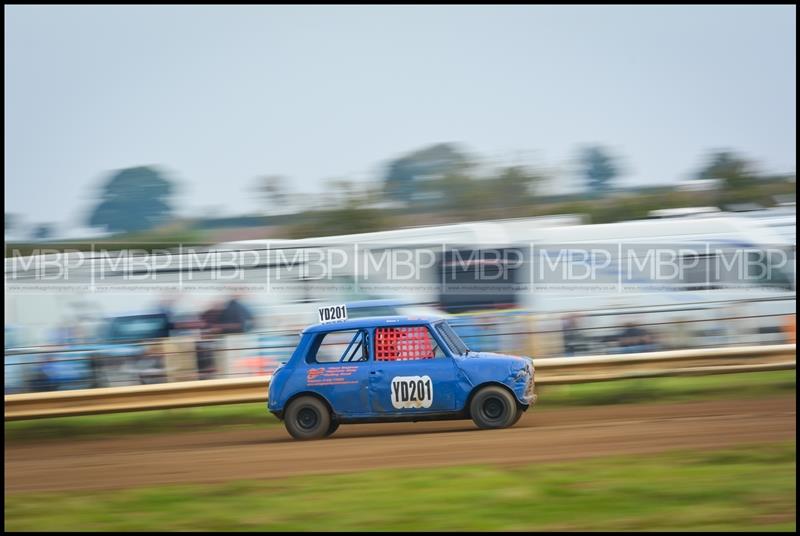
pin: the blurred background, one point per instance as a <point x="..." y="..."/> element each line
<point x="182" y="131"/>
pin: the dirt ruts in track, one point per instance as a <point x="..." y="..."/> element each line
<point x="563" y="434"/>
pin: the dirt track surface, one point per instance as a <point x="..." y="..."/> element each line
<point x="551" y="435"/>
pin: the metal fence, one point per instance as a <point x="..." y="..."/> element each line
<point x="194" y="357"/>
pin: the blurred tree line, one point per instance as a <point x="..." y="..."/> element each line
<point x="443" y="183"/>
<point x="435" y="184"/>
<point x="134" y="199"/>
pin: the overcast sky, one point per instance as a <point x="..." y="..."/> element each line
<point x="221" y="95"/>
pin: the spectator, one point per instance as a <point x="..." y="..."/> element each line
<point x="166" y="307"/>
<point x="174" y="322"/>
<point x="574" y="341"/>
<point x="235" y="317"/>
<point x="205" y="346"/>
<point x="634" y="339"/>
<point x="49" y="376"/>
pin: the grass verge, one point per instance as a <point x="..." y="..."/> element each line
<point x="754" y="384"/>
<point x="735" y="489"/>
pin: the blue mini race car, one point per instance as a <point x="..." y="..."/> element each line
<point x="395" y="368"/>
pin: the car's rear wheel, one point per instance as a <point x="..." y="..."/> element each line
<point x="307" y="417"/>
<point x="494" y="407"/>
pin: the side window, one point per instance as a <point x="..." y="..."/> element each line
<point x="340" y="347"/>
<point x="405" y="343"/>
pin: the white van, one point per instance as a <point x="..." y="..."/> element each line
<point x="699" y="273"/>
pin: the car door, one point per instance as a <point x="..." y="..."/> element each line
<point x="337" y="367"/>
<point x="411" y="372"/>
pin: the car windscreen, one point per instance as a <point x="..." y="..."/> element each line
<point x="452" y="339"/>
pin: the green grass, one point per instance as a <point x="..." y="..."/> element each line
<point x="141" y="422"/>
<point x="676" y="389"/>
<point x="754" y="384"/>
<point x="736" y="489"/>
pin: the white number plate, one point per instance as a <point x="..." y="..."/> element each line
<point x="412" y="392"/>
<point x="335" y="313"/>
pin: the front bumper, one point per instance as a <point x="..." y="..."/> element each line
<point x="525" y="386"/>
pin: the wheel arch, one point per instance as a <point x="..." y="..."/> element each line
<point x="490" y="383"/>
<point x="313" y="394"/>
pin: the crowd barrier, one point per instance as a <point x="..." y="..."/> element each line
<point x="548" y="371"/>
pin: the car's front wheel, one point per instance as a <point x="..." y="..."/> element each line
<point x="307" y="417"/>
<point x="520" y="412"/>
<point x="332" y="428"/>
<point x="494" y="407"/>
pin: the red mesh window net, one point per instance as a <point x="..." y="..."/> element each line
<point x="399" y="344"/>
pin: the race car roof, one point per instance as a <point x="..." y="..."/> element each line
<point x="371" y="322"/>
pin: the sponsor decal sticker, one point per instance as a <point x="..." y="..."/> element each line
<point x="331" y="375"/>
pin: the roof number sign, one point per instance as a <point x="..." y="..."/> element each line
<point x="334" y="313"/>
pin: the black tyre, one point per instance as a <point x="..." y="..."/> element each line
<point x="494" y="407"/>
<point x="307" y="418"/>
<point x="332" y="428"/>
<point x="520" y="413"/>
